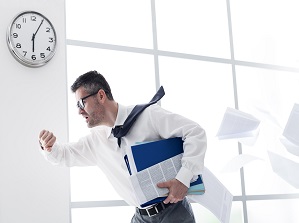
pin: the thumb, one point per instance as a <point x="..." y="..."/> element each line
<point x="164" y="184"/>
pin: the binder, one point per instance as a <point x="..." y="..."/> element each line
<point x="148" y="154"/>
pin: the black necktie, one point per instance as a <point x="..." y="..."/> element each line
<point x="122" y="130"/>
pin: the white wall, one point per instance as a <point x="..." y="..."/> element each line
<point x="32" y="190"/>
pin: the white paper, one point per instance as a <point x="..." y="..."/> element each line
<point x="285" y="168"/>
<point x="267" y="115"/>
<point x="237" y="124"/>
<point x="239" y="161"/>
<point x="216" y="198"/>
<point x="250" y="141"/>
<point x="292" y="127"/>
<point x="145" y="182"/>
<point x="291" y="147"/>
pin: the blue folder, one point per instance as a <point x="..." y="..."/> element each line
<point x="148" y="154"/>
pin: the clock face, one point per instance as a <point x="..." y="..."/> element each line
<point x="31" y="38"/>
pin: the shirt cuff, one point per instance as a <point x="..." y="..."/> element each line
<point x="185" y="176"/>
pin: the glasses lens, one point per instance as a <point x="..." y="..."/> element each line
<point x="80" y="104"/>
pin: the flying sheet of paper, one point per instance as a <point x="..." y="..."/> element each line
<point x="239" y="161"/>
<point x="216" y="198"/>
<point x="267" y="115"/>
<point x="285" y="168"/>
<point x="237" y="124"/>
<point x="291" y="147"/>
<point x="250" y="141"/>
<point x="292" y="127"/>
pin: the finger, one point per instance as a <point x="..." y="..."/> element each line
<point x="48" y="136"/>
<point x="47" y="139"/>
<point x="41" y="134"/>
<point x="168" y="199"/>
<point x="164" y="184"/>
<point x="50" y="142"/>
<point x="44" y="134"/>
<point x="173" y="201"/>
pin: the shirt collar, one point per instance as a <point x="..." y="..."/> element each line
<point x="121" y="117"/>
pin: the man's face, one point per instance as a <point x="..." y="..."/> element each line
<point x="93" y="111"/>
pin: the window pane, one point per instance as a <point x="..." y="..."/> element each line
<point x="115" y="22"/>
<point x="266" y="31"/>
<point x="269" y="96"/>
<point x="132" y="80"/>
<point x="194" y="27"/>
<point x="273" y="211"/>
<point x="202" y="91"/>
<point x="102" y="214"/>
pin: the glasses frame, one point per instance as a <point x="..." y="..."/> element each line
<point x="81" y="104"/>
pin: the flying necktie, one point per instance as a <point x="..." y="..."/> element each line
<point x="122" y="130"/>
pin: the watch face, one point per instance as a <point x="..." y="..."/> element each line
<point x="31" y="38"/>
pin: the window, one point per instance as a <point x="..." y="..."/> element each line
<point x="208" y="55"/>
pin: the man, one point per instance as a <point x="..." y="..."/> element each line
<point x="101" y="113"/>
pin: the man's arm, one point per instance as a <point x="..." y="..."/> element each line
<point x="169" y="125"/>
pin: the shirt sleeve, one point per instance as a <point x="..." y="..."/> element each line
<point x="78" y="153"/>
<point x="169" y="125"/>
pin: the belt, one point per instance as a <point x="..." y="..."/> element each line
<point x="154" y="210"/>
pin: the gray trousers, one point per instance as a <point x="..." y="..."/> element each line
<point x="180" y="212"/>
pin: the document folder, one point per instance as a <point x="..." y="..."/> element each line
<point x="148" y="154"/>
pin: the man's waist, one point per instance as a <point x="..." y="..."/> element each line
<point x="153" y="210"/>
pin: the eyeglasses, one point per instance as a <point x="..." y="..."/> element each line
<point x="81" y="104"/>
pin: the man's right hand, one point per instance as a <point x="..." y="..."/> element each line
<point x="47" y="140"/>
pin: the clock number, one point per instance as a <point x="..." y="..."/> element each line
<point x="33" y="18"/>
<point x="51" y="40"/>
<point x="33" y="57"/>
<point x="18" y="26"/>
<point x="24" y="20"/>
<point x="15" y="35"/>
<point x="48" y="29"/>
<point x="49" y="49"/>
<point x="25" y="52"/>
<point x="18" y="45"/>
<point x="42" y="55"/>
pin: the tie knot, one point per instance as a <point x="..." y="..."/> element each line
<point x="115" y="131"/>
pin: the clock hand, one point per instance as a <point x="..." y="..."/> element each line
<point x="34" y="34"/>
<point x="32" y="39"/>
<point x="38" y="27"/>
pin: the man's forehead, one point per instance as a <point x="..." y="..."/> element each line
<point x="80" y="93"/>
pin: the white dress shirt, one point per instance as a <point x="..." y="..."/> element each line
<point x="100" y="148"/>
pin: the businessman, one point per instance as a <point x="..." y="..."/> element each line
<point x="100" y="148"/>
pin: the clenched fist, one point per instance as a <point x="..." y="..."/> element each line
<point x="47" y="140"/>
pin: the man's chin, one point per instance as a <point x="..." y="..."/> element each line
<point x="91" y="125"/>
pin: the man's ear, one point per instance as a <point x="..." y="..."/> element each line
<point x="102" y="95"/>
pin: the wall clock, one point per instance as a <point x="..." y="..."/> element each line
<point x="31" y="38"/>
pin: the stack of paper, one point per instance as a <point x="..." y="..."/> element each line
<point x="154" y="162"/>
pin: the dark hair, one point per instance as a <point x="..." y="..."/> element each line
<point x="92" y="82"/>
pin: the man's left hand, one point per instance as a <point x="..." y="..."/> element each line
<point x="177" y="190"/>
